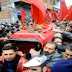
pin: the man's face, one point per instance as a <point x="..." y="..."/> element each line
<point x="58" y="41"/>
<point x="35" y="69"/>
<point x="8" y="55"/>
<point x="68" y="54"/>
<point x="49" y="49"/>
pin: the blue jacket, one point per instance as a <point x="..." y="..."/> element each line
<point x="62" y="66"/>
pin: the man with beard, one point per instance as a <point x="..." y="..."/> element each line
<point x="50" y="50"/>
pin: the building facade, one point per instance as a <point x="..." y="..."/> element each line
<point x="49" y="3"/>
<point x="4" y="15"/>
<point x="10" y="11"/>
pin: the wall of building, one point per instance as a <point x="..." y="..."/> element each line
<point x="4" y="13"/>
<point x="48" y="4"/>
<point x="10" y="12"/>
<point x="3" y="1"/>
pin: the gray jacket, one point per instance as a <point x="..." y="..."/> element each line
<point x="52" y="59"/>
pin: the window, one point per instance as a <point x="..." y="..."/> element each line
<point x="54" y="2"/>
<point x="45" y="0"/>
<point x="50" y="1"/>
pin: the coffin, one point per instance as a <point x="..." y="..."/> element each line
<point x="26" y="39"/>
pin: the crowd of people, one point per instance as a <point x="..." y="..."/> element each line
<point x="55" y="56"/>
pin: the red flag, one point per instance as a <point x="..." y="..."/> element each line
<point x="37" y="11"/>
<point x="51" y="12"/>
<point x="55" y="15"/>
<point x="63" y="10"/>
<point x="70" y="8"/>
<point x="23" y="15"/>
<point x="70" y="14"/>
<point x="49" y="16"/>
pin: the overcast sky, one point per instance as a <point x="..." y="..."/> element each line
<point x="68" y="2"/>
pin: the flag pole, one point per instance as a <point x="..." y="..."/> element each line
<point x="65" y="17"/>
